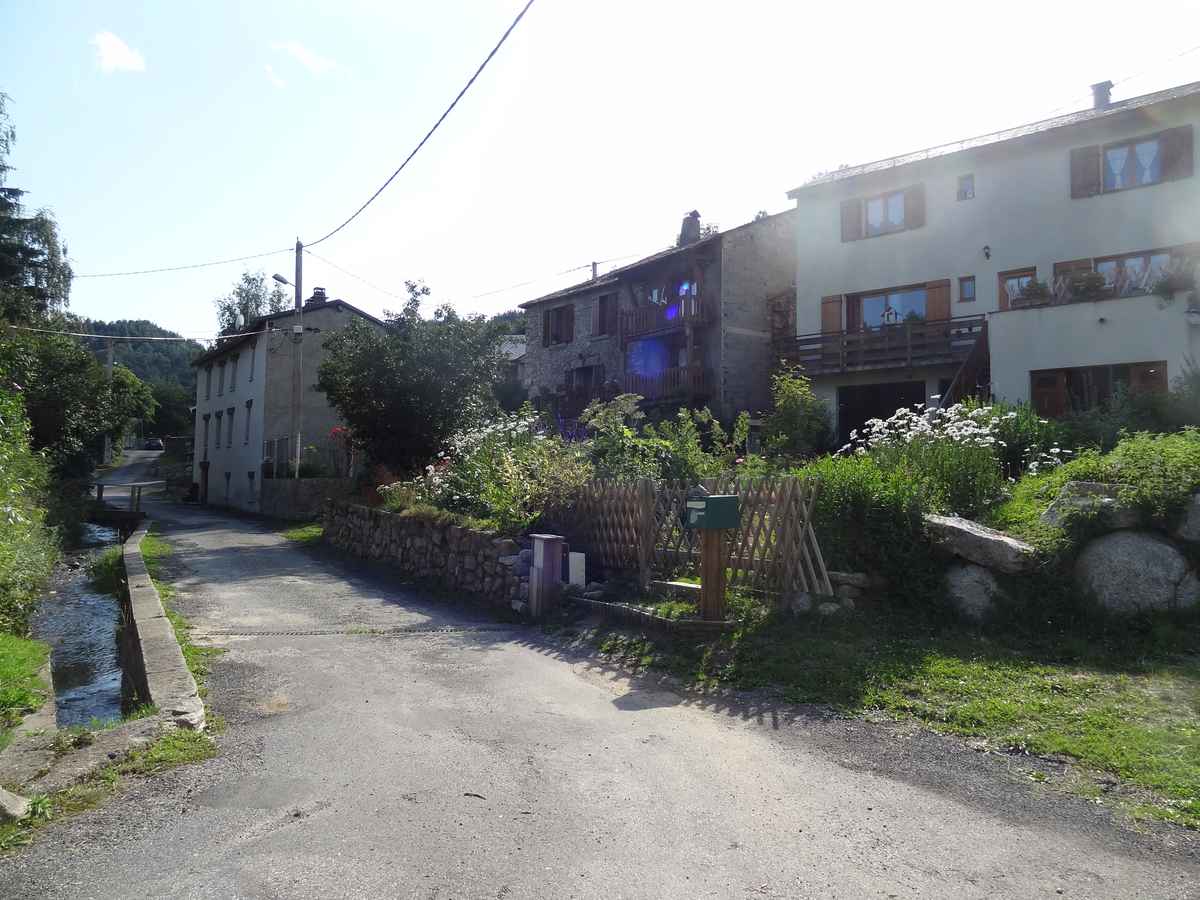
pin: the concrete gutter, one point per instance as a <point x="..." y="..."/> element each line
<point x="163" y="675"/>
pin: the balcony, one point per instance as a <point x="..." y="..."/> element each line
<point x="680" y="382"/>
<point x="908" y="345"/>
<point x="654" y="318"/>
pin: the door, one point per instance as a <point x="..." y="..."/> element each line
<point x="1048" y="391"/>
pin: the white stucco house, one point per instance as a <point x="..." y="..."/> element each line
<point x="245" y="429"/>
<point x="1027" y="262"/>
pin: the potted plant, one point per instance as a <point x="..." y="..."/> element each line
<point x="1088" y="286"/>
<point x="1172" y="283"/>
<point x="1035" y="292"/>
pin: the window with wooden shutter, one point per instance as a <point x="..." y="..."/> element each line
<point x="604" y="315"/>
<point x="1178" y="153"/>
<point x="1085" y="171"/>
<point x="831" y="313"/>
<point x="568" y="326"/>
<point x="852" y="228"/>
<point x="547" y="325"/>
<point x="937" y="300"/>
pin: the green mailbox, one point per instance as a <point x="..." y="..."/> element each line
<point x="716" y="511"/>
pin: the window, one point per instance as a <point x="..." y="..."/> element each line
<point x="220" y="378"/>
<point x="217" y="442"/>
<point x="207" y="382"/>
<point x="248" y="404"/>
<point x="1015" y="285"/>
<point x="893" y="307"/>
<point x="966" y="289"/>
<point x="1056" y="392"/>
<point x="1146" y="160"/>
<point x="229" y="433"/>
<point x="206" y="436"/>
<point x="558" y="325"/>
<point x="604" y="320"/>
<point x="233" y="374"/>
<point x="966" y="187"/>
<point x="253" y="354"/>
<point x="885" y="214"/>
<point x="1127" y="275"/>
<point x="1135" y="273"/>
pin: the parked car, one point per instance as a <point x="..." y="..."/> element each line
<point x="153" y="444"/>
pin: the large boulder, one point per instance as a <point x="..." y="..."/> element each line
<point x="1131" y="571"/>
<point x="1188" y="528"/>
<point x="12" y="806"/>
<point x="981" y="545"/>
<point x="973" y="590"/>
<point x="1093" y="498"/>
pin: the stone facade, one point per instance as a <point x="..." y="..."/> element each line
<point x="301" y="499"/>
<point x="738" y="273"/>
<point x="456" y="558"/>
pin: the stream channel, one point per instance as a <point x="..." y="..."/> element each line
<point x="82" y="626"/>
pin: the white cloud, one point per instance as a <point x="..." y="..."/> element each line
<point x="114" y="55"/>
<point x="318" y="65"/>
<point x="274" y="78"/>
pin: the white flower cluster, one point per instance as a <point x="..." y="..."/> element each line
<point x="927" y="423"/>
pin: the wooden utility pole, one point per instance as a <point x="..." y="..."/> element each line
<point x="712" y="574"/>
<point x="298" y="353"/>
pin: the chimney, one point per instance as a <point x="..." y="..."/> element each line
<point x="1102" y="94"/>
<point x="690" y="232"/>
<point x="318" y="295"/>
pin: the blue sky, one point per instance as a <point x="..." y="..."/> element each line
<point x="162" y="133"/>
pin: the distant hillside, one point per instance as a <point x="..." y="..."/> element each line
<point x="167" y="362"/>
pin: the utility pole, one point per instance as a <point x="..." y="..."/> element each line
<point x="298" y="354"/>
<point x="108" y="371"/>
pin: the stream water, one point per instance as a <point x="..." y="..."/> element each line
<point x="82" y="625"/>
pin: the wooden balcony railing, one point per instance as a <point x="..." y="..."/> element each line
<point x="655" y="317"/>
<point x="682" y="381"/>
<point x="903" y="346"/>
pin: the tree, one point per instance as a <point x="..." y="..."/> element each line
<point x="251" y="298"/>
<point x="172" y="414"/>
<point x="404" y="390"/>
<point x="35" y="277"/>
<point x="511" y="322"/>
<point x="151" y="361"/>
<point x="798" y="426"/>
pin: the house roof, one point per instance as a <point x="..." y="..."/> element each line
<point x="1000" y="137"/>
<point x="512" y="346"/>
<point x="261" y="322"/>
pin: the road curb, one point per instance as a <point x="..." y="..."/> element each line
<point x="161" y="672"/>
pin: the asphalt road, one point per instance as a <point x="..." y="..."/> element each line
<point x="484" y="762"/>
<point x="136" y="465"/>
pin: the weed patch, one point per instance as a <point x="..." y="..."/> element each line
<point x="305" y="534"/>
<point x="21" y="690"/>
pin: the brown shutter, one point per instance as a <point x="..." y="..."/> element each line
<point x="831" y="314"/>
<point x="914" y="206"/>
<point x="1177" y="153"/>
<point x="937" y="300"/>
<point x="852" y="228"/>
<point x="597" y="317"/>
<point x="569" y="324"/>
<point x="546" y="320"/>
<point x="1085" y="171"/>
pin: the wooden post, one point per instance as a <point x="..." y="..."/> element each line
<point x="712" y="575"/>
<point x="645" y="534"/>
<point x="545" y="577"/>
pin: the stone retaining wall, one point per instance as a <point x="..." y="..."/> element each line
<point x="301" y="499"/>
<point x="452" y="556"/>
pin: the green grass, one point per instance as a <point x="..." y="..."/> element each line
<point x="178" y="747"/>
<point x="106" y="570"/>
<point x="154" y="551"/>
<point x="309" y="533"/>
<point x="21" y="690"/>
<point x="1126" y="703"/>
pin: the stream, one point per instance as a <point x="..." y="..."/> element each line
<point x="82" y="625"/>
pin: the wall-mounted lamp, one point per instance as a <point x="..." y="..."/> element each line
<point x="987" y="251"/>
<point x="1102" y="320"/>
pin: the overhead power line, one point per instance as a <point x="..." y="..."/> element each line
<point x="130" y="337"/>
<point x="202" y="265"/>
<point x="436" y="124"/>
<point x="369" y="284"/>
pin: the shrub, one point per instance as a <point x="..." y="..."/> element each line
<point x="950" y="454"/>
<point x="27" y="546"/>
<point x="798" y="426"/>
<point x="1023" y="438"/>
<point x="868" y="519"/>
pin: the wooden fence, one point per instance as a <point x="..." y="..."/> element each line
<point x="637" y="527"/>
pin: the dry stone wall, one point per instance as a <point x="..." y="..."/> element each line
<point x="459" y="559"/>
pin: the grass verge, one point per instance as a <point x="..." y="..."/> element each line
<point x="1122" y="703"/>
<point x="155" y="551"/>
<point x="178" y="747"/>
<point x="309" y="533"/>
<point x="21" y="690"/>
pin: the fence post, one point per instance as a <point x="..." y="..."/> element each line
<point x="645" y="532"/>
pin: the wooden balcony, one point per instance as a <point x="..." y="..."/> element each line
<point x="908" y="345"/>
<point x="681" y="383"/>
<point x="655" y="318"/>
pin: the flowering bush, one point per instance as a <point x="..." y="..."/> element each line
<point x="509" y="472"/>
<point x="958" y="456"/>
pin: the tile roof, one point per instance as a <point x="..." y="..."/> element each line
<point x="251" y="331"/>
<point x="998" y="137"/>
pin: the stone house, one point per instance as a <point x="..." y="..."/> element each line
<point x="245" y="430"/>
<point x="1026" y="264"/>
<point x="689" y="326"/>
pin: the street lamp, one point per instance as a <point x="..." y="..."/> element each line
<point x="280" y="278"/>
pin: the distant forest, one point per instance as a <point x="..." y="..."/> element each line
<point x="155" y="362"/>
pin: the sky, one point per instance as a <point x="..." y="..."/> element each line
<point x="165" y="134"/>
